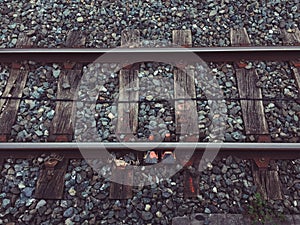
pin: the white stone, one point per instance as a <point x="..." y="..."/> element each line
<point x="80" y="19"/>
<point x="147" y="207"/>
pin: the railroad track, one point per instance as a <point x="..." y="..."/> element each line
<point x="183" y="134"/>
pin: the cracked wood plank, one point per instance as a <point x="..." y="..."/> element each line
<point x="182" y="38"/>
<point x="62" y="123"/>
<point x="186" y="117"/>
<point x="128" y="102"/>
<point x="267" y="181"/>
<point x="253" y="110"/>
<point x="14" y="88"/>
<point x="128" y="93"/>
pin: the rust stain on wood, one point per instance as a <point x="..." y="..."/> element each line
<point x="191" y="175"/>
<point x="191" y="184"/>
<point x="50" y="184"/>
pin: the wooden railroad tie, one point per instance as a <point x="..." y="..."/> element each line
<point x="255" y="121"/>
<point x="50" y="184"/>
<point x="119" y="190"/>
<point x="62" y="125"/>
<point x="14" y="89"/>
<point x="191" y="176"/>
<point x="293" y="39"/>
<point x="128" y="93"/>
<point x="239" y="37"/>
<point x="186" y="117"/>
<point x="128" y="104"/>
<point x="127" y="116"/>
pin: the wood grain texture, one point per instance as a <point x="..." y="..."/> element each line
<point x="268" y="182"/>
<point x="239" y="37"/>
<point x="24" y="41"/>
<point x="118" y="190"/>
<point x="186" y="117"/>
<point x="230" y="219"/>
<point x="129" y="90"/>
<point x="253" y="110"/>
<point x="235" y="219"/>
<point x="14" y="88"/>
<point x="67" y="84"/>
<point x="291" y="38"/>
<point x="130" y="38"/>
<point x="62" y="123"/>
<point x="75" y="39"/>
<point x="128" y="111"/>
<point x="17" y="81"/>
<point x="296" y="219"/>
<point x="296" y="73"/>
<point x="50" y="184"/>
<point x="182" y="38"/>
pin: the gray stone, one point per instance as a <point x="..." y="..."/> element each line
<point x="147" y="216"/>
<point x="68" y="212"/>
<point x="28" y="191"/>
<point x="40" y="204"/>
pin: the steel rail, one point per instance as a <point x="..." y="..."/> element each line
<point x="143" y="146"/>
<point x="88" y="55"/>
<point x="75" y="150"/>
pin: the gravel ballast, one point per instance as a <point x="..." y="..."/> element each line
<point x="47" y="23"/>
<point x="226" y="186"/>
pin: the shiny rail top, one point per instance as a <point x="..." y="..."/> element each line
<point x="143" y="146"/>
<point x="88" y="55"/>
